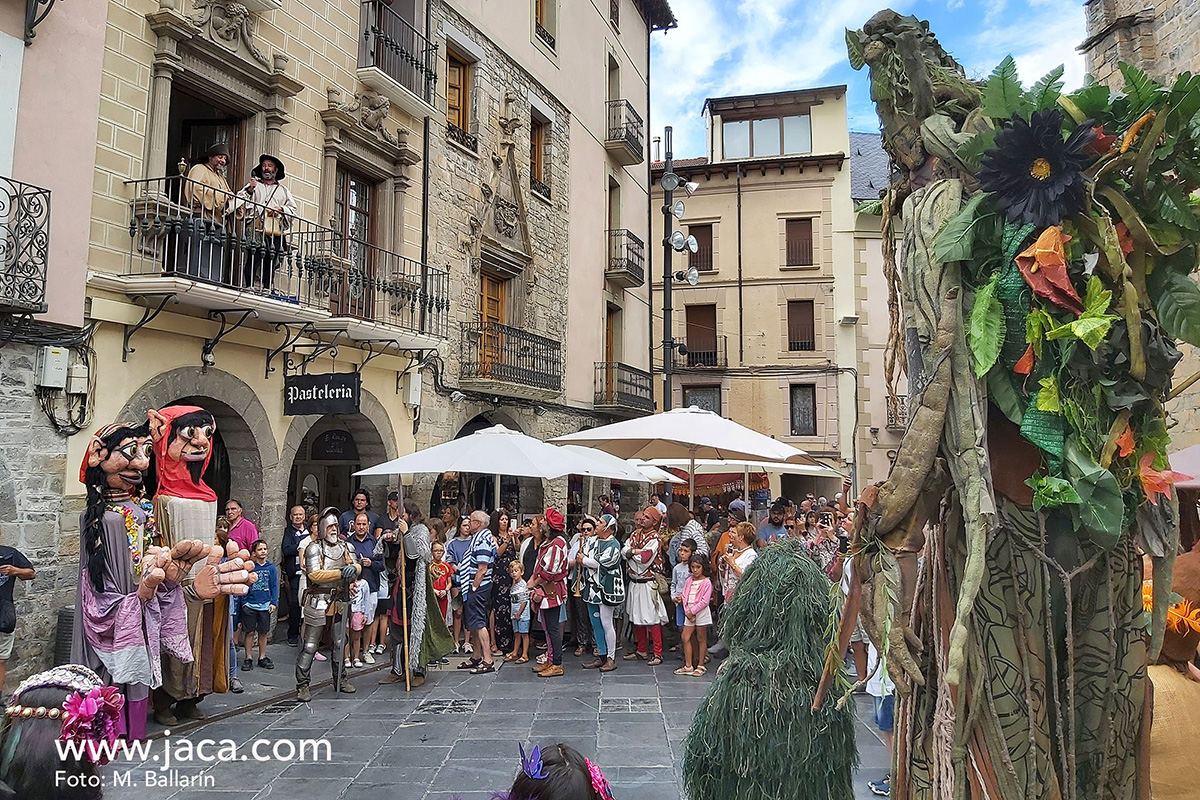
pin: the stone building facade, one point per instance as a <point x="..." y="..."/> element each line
<point x="379" y="277"/>
<point x="1163" y="40"/>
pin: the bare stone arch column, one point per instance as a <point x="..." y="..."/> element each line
<point x="8" y="496"/>
<point x="245" y="427"/>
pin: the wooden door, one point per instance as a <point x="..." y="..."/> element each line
<point x="491" y="314"/>
<point x="702" y="335"/>
<point x="610" y="353"/>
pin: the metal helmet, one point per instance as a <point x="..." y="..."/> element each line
<point x="329" y="517"/>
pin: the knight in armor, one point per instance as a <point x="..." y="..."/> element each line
<point x="330" y="567"/>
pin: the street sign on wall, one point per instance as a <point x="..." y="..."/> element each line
<point x="327" y="393"/>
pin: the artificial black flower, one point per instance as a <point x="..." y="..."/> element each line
<point x="1035" y="176"/>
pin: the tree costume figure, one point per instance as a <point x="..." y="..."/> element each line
<point x="330" y="567"/>
<point x="186" y="508"/>
<point x="130" y="608"/>
<point x="1044" y="278"/>
<point x="755" y="735"/>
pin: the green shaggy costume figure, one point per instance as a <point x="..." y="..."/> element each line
<point x="754" y="736"/>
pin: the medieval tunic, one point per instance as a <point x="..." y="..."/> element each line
<point x="202" y="246"/>
<point x="427" y="633"/>
<point x="643" y="604"/>
<point x="116" y="634"/>
<point x="602" y="579"/>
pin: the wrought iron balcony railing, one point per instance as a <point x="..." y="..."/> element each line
<point x="461" y="137"/>
<point x="24" y="247"/>
<point x="620" y="386"/>
<point x="707" y="352"/>
<point x="545" y="35"/>
<point x="626" y="259"/>
<point x="184" y="229"/>
<point x="625" y="136"/>
<point x="614" y="13"/>
<point x="897" y="413"/>
<point x="398" y="49"/>
<point x="540" y="188"/>
<point x="498" y="352"/>
<point x="800" y="253"/>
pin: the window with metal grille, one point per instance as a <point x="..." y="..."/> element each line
<point x="705" y="397"/>
<point x="702" y="259"/>
<point x="800" y="242"/>
<point x="802" y="330"/>
<point x="458" y="92"/>
<point x="804" y="409"/>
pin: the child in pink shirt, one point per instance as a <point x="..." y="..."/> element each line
<point x="697" y="592"/>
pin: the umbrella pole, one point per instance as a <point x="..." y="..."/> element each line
<point x="746" y="488"/>
<point x="692" y="479"/>
<point x="587" y="501"/>
<point x="496" y="495"/>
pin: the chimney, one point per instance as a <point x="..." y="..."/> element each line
<point x="658" y="148"/>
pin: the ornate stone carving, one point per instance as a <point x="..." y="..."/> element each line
<point x="229" y="24"/>
<point x="372" y="109"/>
<point x="507" y="215"/>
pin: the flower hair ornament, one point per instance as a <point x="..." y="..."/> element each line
<point x="531" y="765"/>
<point x="89" y="713"/>
<point x="599" y="782"/>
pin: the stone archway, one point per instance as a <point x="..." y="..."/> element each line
<point x="373" y="435"/>
<point x="243" y="422"/>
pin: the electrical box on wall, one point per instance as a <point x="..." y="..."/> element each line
<point x="52" y="367"/>
<point x="411" y="388"/>
<point x="77" y="379"/>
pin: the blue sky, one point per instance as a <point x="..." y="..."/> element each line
<point x="729" y="47"/>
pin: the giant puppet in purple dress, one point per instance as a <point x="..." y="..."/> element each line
<point x="130" y="608"/>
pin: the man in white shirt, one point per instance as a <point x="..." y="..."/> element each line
<point x="269" y="218"/>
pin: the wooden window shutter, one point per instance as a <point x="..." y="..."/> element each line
<point x="802" y="333"/>
<point x="457" y="92"/>
<point x="800" y="243"/>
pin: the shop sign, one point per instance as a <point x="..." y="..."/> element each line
<point x="328" y="393"/>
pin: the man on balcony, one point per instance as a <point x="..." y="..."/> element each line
<point x="207" y="193"/>
<point x="270" y="219"/>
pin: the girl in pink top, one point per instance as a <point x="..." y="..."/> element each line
<point x="697" y="592"/>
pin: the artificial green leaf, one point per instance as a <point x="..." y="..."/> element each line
<point x="1101" y="508"/>
<point x="1005" y="396"/>
<point x="1177" y="301"/>
<point x="872" y="207"/>
<point x="1037" y="324"/>
<point x="1173" y="206"/>
<point x="1097" y="299"/>
<point x="1092" y="100"/>
<point x="1046" y="91"/>
<point x="1175" y="599"/>
<point x="1049" y="491"/>
<point x="1168" y="237"/>
<point x="1002" y="96"/>
<point x="956" y="238"/>
<point x="1089" y="329"/>
<point x="854" y="49"/>
<point x="1140" y="89"/>
<point x="971" y="152"/>
<point x="1047" y="397"/>
<point x="1154" y="439"/>
<point x="1184" y="102"/>
<point x="985" y="328"/>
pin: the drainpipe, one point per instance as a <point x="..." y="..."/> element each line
<point x="425" y="177"/>
<point x="649" y="225"/>
<point x="741" y="305"/>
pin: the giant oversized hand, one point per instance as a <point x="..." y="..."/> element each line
<point x="228" y="577"/>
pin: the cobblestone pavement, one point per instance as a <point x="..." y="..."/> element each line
<point x="455" y="737"/>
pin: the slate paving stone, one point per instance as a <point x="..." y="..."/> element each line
<point x="406" y="756"/>
<point x="470" y="749"/>
<point x="290" y="788"/>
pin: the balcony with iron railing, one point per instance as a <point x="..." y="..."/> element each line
<point x="623" y="390"/>
<point x="216" y="250"/>
<point x="24" y="247"/>
<point x="703" y="352"/>
<point x="625" y="134"/>
<point x="505" y="360"/>
<point x="539" y="188"/>
<point x="396" y="60"/>
<point x="897" y="412"/>
<point x="702" y="259"/>
<point x="546" y="36"/>
<point x="614" y="13"/>
<point x="626" y="259"/>
<point x="462" y="138"/>
<point x="799" y="253"/>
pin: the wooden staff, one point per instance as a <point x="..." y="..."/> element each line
<point x="400" y="568"/>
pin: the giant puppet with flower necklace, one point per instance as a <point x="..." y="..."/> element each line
<point x="1049" y="245"/>
<point x="130" y="607"/>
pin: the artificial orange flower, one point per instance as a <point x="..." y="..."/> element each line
<point x="1044" y="266"/>
<point x="1125" y="443"/>
<point x="1156" y="482"/>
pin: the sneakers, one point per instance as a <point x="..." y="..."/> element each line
<point x="235" y="685"/>
<point x="303" y="694"/>
<point x="266" y="663"/>
<point x="368" y="658"/>
<point x="881" y="788"/>
<point x="247" y="665"/>
<point x="293" y="642"/>
<point x="357" y="663"/>
<point x="319" y="656"/>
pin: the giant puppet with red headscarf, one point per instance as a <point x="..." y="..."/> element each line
<point x="131" y="604"/>
<point x="186" y="508"/>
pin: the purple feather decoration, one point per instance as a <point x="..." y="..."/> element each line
<point x="532" y="764"/>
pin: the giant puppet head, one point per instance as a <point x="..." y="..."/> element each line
<point x="117" y="458"/>
<point x="183" y="447"/>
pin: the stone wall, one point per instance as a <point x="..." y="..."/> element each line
<point x="1161" y="38"/>
<point x="33" y="519"/>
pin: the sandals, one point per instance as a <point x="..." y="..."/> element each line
<point x="632" y="656"/>
<point x="522" y="660"/>
<point x="470" y="664"/>
<point x="698" y="671"/>
<point x="579" y="651"/>
<point x="484" y="668"/>
<point x="684" y="671"/>
<point x="654" y="662"/>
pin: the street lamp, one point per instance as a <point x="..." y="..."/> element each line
<point x="673" y="242"/>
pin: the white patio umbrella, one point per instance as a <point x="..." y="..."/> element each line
<point x="655" y="474"/>
<point x="709" y="466"/>
<point x="500" y="451"/>
<point x="689" y="433"/>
